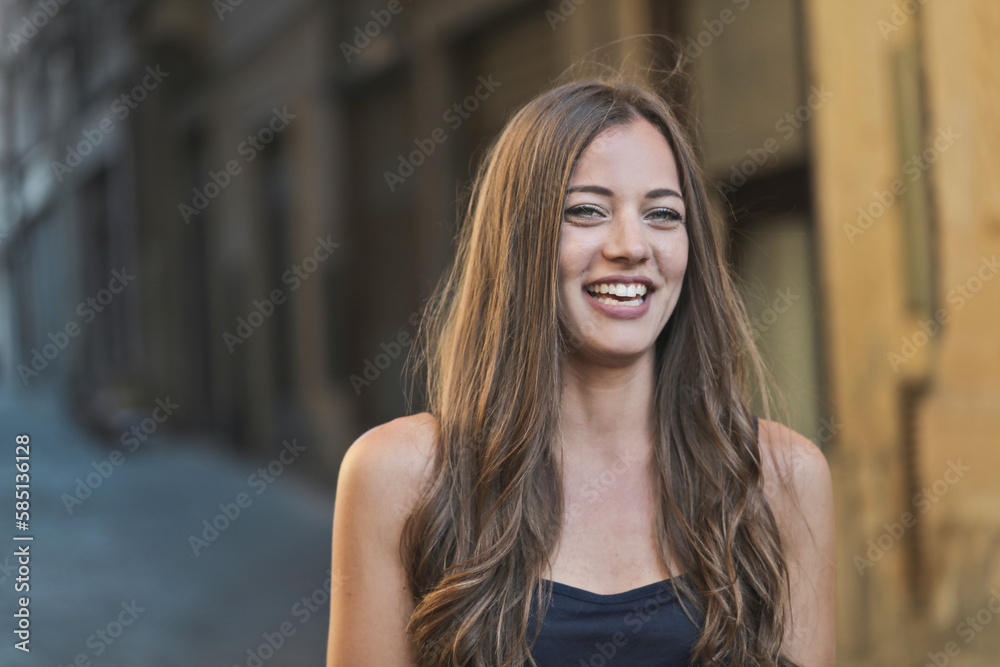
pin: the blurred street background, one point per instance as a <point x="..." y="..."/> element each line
<point x="125" y="572"/>
<point x="219" y="220"/>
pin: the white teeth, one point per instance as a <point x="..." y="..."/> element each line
<point x="618" y="289"/>
<point x="615" y="302"/>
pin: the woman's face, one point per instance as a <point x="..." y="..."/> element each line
<point x="623" y="243"/>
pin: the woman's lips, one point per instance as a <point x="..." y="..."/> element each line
<point x="619" y="311"/>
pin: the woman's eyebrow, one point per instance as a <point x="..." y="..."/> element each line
<point x="663" y="192"/>
<point x="593" y="189"/>
<point x="599" y="190"/>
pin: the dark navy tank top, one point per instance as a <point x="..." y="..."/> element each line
<point x="643" y="627"/>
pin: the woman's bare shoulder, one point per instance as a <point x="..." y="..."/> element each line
<point x="406" y="439"/>
<point x="379" y="481"/>
<point x="790" y="457"/>
<point x="392" y="460"/>
<point x="799" y="491"/>
<point x="797" y="486"/>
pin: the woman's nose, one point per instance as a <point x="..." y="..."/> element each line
<point x="626" y="239"/>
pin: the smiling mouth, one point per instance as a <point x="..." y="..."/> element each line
<point x="618" y="294"/>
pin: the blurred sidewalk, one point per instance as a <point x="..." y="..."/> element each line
<point x="115" y="579"/>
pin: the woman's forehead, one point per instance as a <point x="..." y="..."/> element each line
<point x="635" y="154"/>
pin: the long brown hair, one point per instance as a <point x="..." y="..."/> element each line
<point x="481" y="534"/>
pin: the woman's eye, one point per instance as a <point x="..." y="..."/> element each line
<point x="584" y="211"/>
<point x="666" y="215"/>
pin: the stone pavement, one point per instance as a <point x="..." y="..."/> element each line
<point x="114" y="578"/>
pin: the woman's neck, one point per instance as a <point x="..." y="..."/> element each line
<point x="607" y="410"/>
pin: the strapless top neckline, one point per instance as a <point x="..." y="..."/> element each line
<point x="611" y="598"/>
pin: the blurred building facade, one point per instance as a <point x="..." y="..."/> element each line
<point x="909" y="238"/>
<point x="242" y="204"/>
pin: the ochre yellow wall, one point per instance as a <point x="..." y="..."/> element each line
<point x="889" y="614"/>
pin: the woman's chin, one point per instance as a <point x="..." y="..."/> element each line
<point x="622" y="354"/>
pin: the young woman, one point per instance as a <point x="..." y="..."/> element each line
<point x="588" y="457"/>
